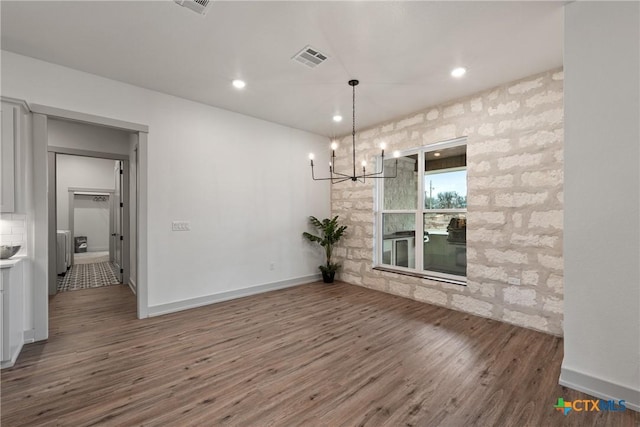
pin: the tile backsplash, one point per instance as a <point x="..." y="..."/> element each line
<point x="13" y="230"/>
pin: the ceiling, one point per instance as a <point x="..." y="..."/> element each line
<point x="402" y="52"/>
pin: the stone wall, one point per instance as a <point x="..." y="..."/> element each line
<point x="515" y="202"/>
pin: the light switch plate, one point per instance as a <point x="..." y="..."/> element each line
<point x="180" y="226"/>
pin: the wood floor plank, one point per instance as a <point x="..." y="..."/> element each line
<point x="312" y="355"/>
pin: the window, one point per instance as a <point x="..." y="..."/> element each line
<point x="429" y="194"/>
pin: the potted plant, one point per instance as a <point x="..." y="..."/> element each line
<point x="330" y="234"/>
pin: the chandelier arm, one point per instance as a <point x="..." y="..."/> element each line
<point x="342" y="180"/>
<point x="342" y="174"/>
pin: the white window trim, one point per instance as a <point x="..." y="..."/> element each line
<point x="419" y="212"/>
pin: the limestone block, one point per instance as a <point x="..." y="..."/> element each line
<point x="550" y="178"/>
<point x="410" y="121"/>
<point x="519" y="296"/>
<point x="369" y="133"/>
<point x="550" y="261"/>
<point x="517" y="200"/>
<point x="441" y="133"/>
<point x="387" y="128"/>
<point x="453" y="110"/>
<point x="546" y="219"/>
<point x="549" y="117"/>
<point x="505" y="108"/>
<point x="477" y="271"/>
<point x="489" y="146"/>
<point x="476" y="104"/>
<point x="507" y="256"/>
<point x="487" y="290"/>
<point x="530" y="277"/>
<point x="534" y="240"/>
<point x="491" y="182"/>
<point x="471" y="305"/>
<point x="486" y="217"/>
<point x="479" y="167"/>
<point x="484" y="236"/>
<point x="553" y="304"/>
<point x="350" y="278"/>
<point x="477" y="200"/>
<point x="541" y="138"/>
<point x="558" y="76"/>
<point x="526" y="320"/>
<point x="399" y="288"/>
<point x="487" y="129"/>
<point x="430" y="295"/>
<point x="525" y="86"/>
<point x="547" y="97"/>
<point x="433" y="114"/>
<point x="555" y="282"/>
<point x="519" y="161"/>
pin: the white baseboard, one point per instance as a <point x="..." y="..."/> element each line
<point x="158" y="310"/>
<point x="133" y="286"/>
<point x="14" y="357"/>
<point x="29" y="336"/>
<point x="600" y="388"/>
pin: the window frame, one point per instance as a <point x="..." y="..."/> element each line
<point x="418" y="212"/>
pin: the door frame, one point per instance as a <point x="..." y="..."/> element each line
<point x="44" y="201"/>
<point x="53" y="152"/>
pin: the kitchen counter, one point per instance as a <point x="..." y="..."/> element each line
<point x="8" y="263"/>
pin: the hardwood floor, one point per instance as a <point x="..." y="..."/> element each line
<point x="313" y="355"/>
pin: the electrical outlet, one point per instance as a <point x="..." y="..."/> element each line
<point x="513" y="281"/>
<point x="180" y="226"/>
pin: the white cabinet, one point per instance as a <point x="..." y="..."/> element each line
<point x="7" y="157"/>
<point x="14" y="133"/>
<point x="11" y="310"/>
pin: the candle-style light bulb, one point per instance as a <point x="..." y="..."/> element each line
<point x="396" y="154"/>
<point x="311" y="156"/>
<point x="364" y="163"/>
<point x="383" y="145"/>
<point x="334" y="145"/>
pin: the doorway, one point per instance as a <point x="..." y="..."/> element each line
<point x="91" y="205"/>
<point x="44" y="224"/>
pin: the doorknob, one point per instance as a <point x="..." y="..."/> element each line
<point x="112" y="234"/>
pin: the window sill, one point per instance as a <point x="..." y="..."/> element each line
<point x="461" y="282"/>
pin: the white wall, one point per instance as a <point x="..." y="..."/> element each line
<point x="80" y="136"/>
<point x="79" y="172"/>
<point x="243" y="183"/>
<point x="602" y="188"/>
<point x="91" y="219"/>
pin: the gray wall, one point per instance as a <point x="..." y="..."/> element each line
<point x="84" y="172"/>
<point x="91" y="219"/>
<point x="602" y="232"/>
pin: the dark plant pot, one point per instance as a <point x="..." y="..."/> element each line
<point x="328" y="276"/>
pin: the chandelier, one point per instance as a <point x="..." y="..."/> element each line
<point x="337" y="177"/>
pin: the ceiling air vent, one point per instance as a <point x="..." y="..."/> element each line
<point x="199" y="6"/>
<point x="310" y="57"/>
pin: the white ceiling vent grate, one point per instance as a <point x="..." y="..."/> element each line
<point x="310" y="57"/>
<point x="198" y="6"/>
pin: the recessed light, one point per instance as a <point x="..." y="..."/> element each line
<point x="238" y="84"/>
<point x="458" y="72"/>
<point x="337" y="118"/>
<point x="436" y="154"/>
